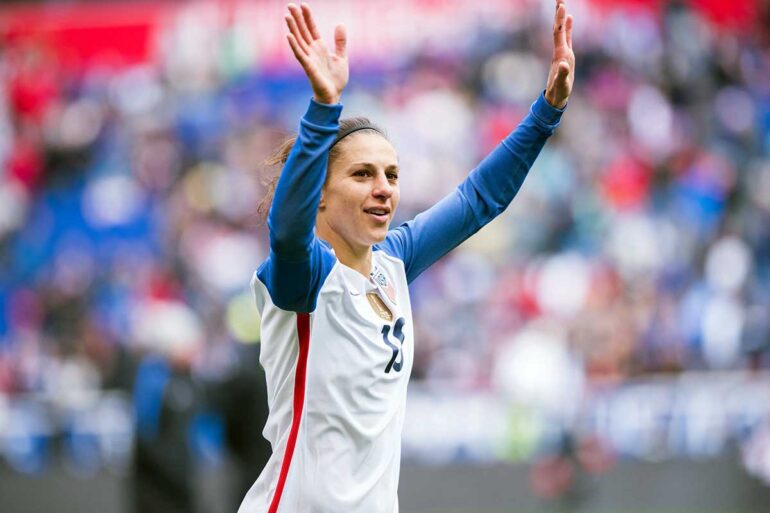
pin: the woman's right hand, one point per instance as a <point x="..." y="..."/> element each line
<point x="327" y="71"/>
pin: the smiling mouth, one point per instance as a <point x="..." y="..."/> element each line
<point x="381" y="214"/>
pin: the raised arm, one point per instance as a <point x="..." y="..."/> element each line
<point x="298" y="261"/>
<point x="490" y="187"/>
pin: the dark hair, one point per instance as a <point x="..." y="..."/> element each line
<point x="348" y="127"/>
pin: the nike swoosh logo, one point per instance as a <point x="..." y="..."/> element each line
<point x="354" y="293"/>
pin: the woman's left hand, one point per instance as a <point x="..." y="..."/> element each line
<point x="562" y="73"/>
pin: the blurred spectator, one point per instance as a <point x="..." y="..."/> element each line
<point x="169" y="404"/>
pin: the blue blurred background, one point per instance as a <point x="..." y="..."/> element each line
<point x="612" y="328"/>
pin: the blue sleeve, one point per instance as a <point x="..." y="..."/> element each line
<point x="481" y="197"/>
<point x="299" y="262"/>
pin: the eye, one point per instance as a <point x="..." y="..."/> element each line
<point x="361" y="173"/>
<point x="393" y="177"/>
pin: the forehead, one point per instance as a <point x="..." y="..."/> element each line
<point x="367" y="147"/>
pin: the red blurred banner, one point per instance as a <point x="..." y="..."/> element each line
<point x="117" y="34"/>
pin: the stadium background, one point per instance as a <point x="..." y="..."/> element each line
<point x="603" y="346"/>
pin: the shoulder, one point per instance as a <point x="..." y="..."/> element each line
<point x="294" y="285"/>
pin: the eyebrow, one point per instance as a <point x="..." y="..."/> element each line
<point x="369" y="165"/>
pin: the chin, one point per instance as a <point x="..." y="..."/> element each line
<point x="377" y="237"/>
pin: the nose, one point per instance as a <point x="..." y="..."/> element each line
<point x="382" y="188"/>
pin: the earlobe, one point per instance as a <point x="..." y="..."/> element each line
<point x="322" y="202"/>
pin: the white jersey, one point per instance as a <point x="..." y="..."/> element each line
<point x="337" y="346"/>
<point x="337" y="382"/>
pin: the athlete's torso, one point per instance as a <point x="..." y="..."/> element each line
<point x="345" y="452"/>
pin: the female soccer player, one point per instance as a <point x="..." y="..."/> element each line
<point x="336" y="319"/>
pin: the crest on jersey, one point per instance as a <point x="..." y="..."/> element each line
<point x="379" y="306"/>
<point x="384" y="284"/>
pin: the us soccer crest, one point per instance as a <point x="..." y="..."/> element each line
<point x="384" y="284"/>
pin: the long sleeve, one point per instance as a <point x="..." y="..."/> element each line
<point x="481" y="197"/>
<point x="299" y="262"/>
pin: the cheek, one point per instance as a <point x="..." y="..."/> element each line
<point x="342" y="201"/>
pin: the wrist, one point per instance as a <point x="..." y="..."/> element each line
<point x="326" y="100"/>
<point x="550" y="97"/>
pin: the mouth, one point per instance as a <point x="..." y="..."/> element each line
<point x="380" y="214"/>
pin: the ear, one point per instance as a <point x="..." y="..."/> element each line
<point x="322" y="201"/>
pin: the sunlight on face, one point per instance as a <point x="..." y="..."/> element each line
<point x="361" y="192"/>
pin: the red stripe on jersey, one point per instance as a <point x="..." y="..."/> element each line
<point x="303" y="332"/>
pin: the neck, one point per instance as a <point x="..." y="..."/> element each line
<point x="358" y="258"/>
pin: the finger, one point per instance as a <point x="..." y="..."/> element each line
<point x="304" y="33"/>
<point x="294" y="31"/>
<point x="559" y="23"/>
<point x="310" y="22"/>
<point x="569" y="31"/>
<point x="297" y="49"/>
<point x="340" y="41"/>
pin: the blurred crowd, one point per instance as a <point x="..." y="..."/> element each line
<point x="639" y="244"/>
